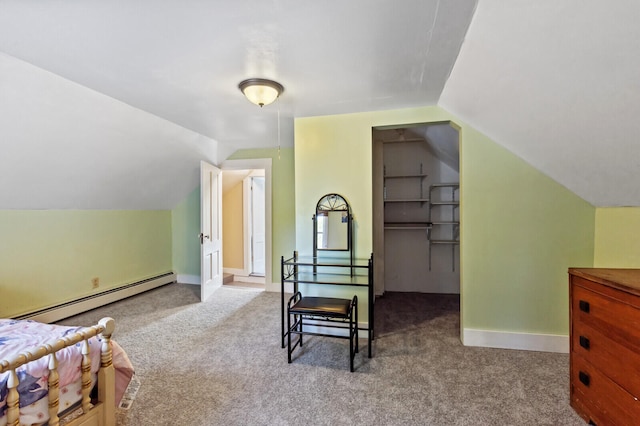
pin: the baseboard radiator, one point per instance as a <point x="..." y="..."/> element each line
<point x="75" y="307"/>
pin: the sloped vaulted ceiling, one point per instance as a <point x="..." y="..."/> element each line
<point x="66" y="147"/>
<point x="180" y="62"/>
<point x="127" y="96"/>
<point x="558" y="84"/>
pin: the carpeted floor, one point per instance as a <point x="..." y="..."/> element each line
<point x="220" y="363"/>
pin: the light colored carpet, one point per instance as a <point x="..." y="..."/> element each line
<point x="220" y="363"/>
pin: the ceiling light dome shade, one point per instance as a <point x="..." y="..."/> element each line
<point x="261" y="91"/>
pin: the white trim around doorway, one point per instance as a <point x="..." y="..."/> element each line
<point x="261" y="163"/>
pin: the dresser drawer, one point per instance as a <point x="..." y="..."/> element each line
<point x="617" y="320"/>
<point x="587" y="410"/>
<point x="621" y="364"/>
<point x="596" y="391"/>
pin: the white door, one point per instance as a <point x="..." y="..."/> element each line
<point x="210" y="230"/>
<point x="257" y="226"/>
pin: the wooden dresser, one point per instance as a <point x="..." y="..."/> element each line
<point x="605" y="345"/>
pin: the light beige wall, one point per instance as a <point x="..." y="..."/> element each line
<point x="616" y="241"/>
<point x="232" y="231"/>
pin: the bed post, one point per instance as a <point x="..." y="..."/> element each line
<point x="86" y="377"/>
<point x="54" y="391"/>
<point x="100" y="414"/>
<point x="106" y="375"/>
<point x="13" y="410"/>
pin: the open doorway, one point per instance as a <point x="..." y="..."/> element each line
<point x="246" y="189"/>
<point x="416" y="221"/>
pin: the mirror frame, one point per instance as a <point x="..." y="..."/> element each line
<point x="332" y="203"/>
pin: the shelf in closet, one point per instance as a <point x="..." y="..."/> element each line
<point x="419" y="175"/>
<point x="453" y="224"/>
<point x="408" y="225"/>
<point x="445" y="203"/>
<point x="408" y="200"/>
<point x="404" y="140"/>
<point x="446" y="185"/>
<point x="453" y="242"/>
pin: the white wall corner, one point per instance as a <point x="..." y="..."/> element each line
<point x="189" y="279"/>
<point x="520" y="341"/>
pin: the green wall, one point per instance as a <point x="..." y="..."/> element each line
<point x="48" y="257"/>
<point x="185" y="228"/>
<point x="520" y="230"/>
<point x="616" y="242"/>
<point x="333" y="155"/>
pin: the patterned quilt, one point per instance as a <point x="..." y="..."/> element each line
<point x="18" y="336"/>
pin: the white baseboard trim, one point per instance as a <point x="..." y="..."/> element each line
<point x="189" y="279"/>
<point x="520" y="341"/>
<point x="75" y="307"/>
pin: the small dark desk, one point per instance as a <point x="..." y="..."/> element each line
<point x="328" y="271"/>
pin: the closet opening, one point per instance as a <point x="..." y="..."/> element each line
<point x="416" y="200"/>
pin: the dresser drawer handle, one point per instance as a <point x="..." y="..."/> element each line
<point x="584" y="342"/>
<point x="584" y="378"/>
<point x="584" y="306"/>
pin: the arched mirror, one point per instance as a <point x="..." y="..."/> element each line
<point x="332" y="224"/>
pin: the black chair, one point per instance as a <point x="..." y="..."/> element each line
<point x="323" y="309"/>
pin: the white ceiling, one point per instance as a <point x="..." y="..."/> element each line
<point x="558" y="84"/>
<point x="108" y="98"/>
<point x="176" y="65"/>
<point x="183" y="60"/>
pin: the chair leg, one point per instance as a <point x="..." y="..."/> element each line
<point x="300" y="335"/>
<point x="289" y="337"/>
<point x="357" y="336"/>
<point x="351" y="353"/>
<point x="351" y="336"/>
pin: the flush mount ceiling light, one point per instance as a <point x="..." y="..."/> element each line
<point x="261" y="91"/>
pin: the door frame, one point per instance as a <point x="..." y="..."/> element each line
<point x="247" y="206"/>
<point x="261" y="163"/>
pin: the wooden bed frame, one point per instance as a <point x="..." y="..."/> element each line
<point x="100" y="412"/>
